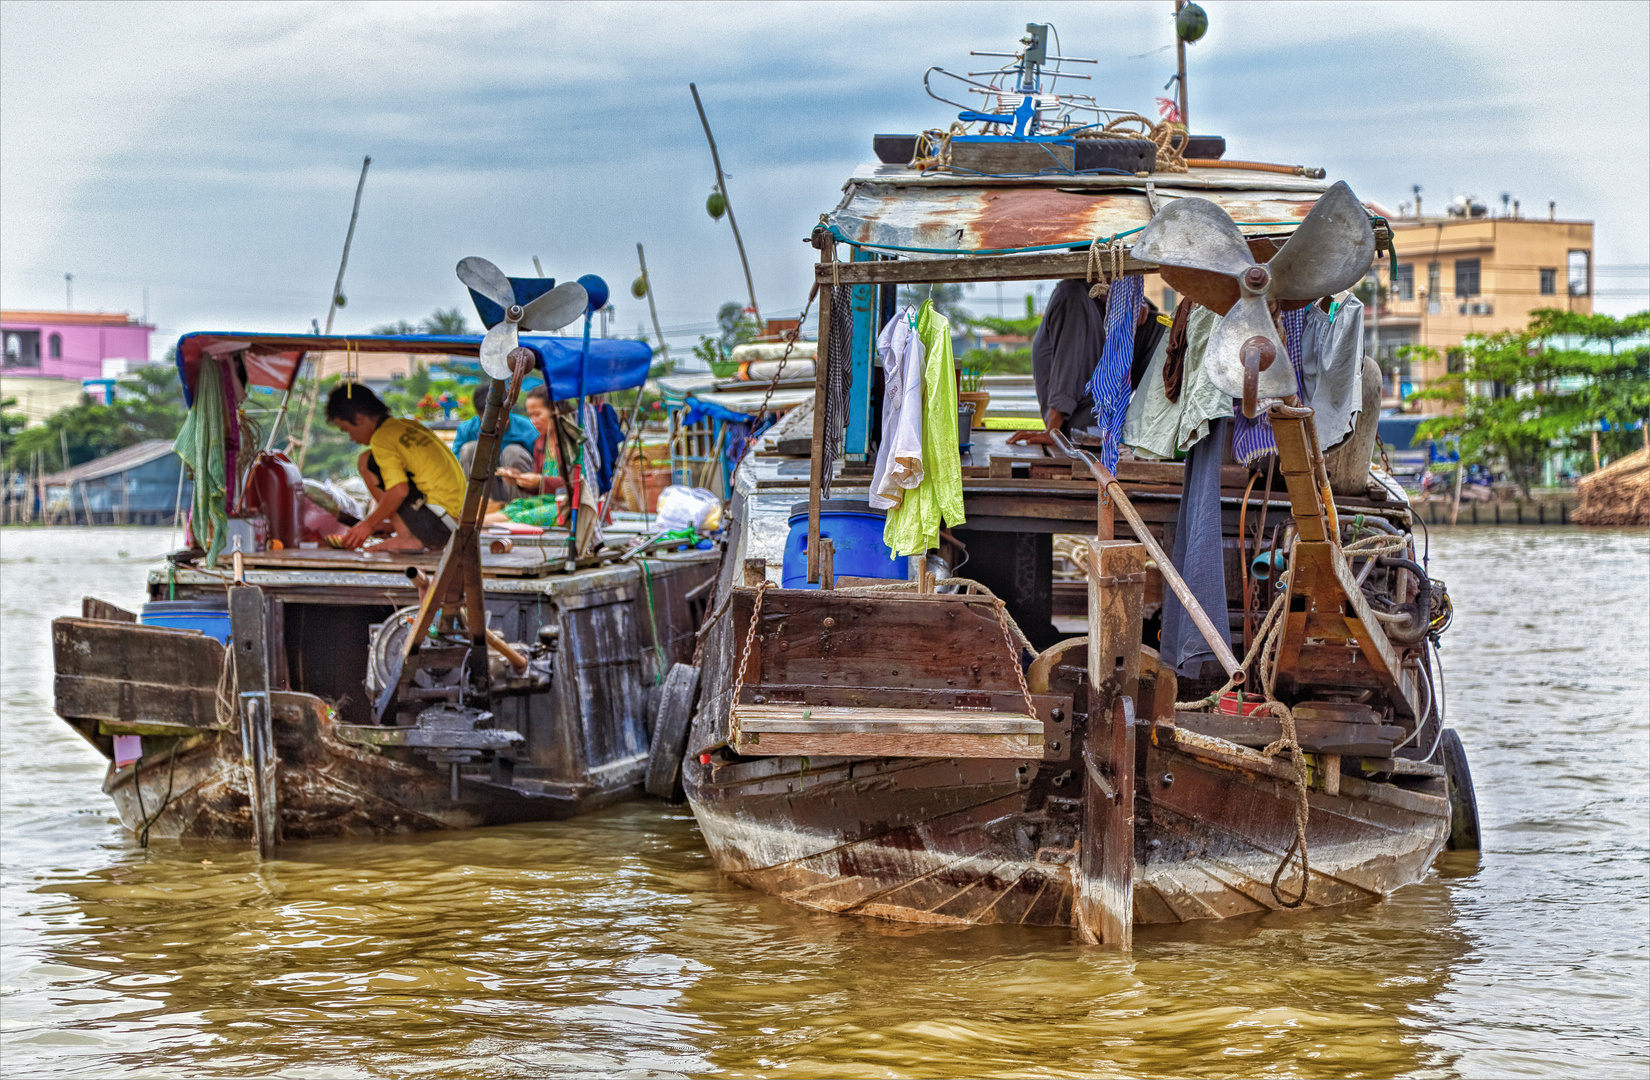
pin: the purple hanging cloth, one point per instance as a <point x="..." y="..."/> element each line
<point x="1252" y="439"/>
<point x="1109" y="386"/>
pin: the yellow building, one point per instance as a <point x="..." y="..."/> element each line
<point x="1462" y="275"/>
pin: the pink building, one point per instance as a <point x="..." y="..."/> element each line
<point x="72" y="344"/>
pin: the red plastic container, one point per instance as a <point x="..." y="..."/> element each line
<point x="273" y="487"/>
<point x="1252" y="704"/>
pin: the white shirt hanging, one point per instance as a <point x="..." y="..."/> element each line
<point x="899" y="459"/>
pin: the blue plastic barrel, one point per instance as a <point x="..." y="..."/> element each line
<point x="210" y="617"/>
<point x="857" y="550"/>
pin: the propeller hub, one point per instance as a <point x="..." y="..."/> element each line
<point x="1256" y="278"/>
<point x="1261" y="350"/>
<point x="513" y="313"/>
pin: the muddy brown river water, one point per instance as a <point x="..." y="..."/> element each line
<point x="609" y="945"/>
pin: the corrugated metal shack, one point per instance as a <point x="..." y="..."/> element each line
<point x="134" y="486"/>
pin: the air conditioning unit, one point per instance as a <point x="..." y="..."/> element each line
<point x="1479" y="307"/>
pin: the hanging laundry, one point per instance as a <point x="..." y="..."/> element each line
<point x="1332" y="353"/>
<point x="899" y="459"/>
<point x="1199" y="556"/>
<point x="913" y="526"/>
<point x="1161" y="428"/>
<point x="609" y="438"/>
<point x="1109" y="388"/>
<point x="1174" y="360"/>
<point x="1252" y="439"/>
<point x="201" y="446"/>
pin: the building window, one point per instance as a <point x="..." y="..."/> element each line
<point x="54" y="346"/>
<point x="1581" y="273"/>
<point x="1435" y="279"/>
<point x="22" y="348"/>
<point x="1455" y="361"/>
<point x="1549" y="281"/>
<point x="1466" y="277"/>
<point x="1404" y="283"/>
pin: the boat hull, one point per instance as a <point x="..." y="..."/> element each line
<point x="960" y="842"/>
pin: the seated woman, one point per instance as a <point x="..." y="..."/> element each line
<point x="540" y="507"/>
<point x="416" y="483"/>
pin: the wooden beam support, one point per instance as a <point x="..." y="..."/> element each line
<point x="1033" y="267"/>
<point x="822" y="363"/>
<point x="249" y="628"/>
<point x="1104" y="906"/>
<point x="850" y="731"/>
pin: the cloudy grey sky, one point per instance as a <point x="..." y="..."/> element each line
<point x="209" y="152"/>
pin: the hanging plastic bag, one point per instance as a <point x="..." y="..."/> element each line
<point x="688" y="508"/>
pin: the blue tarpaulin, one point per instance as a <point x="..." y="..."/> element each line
<point x="272" y="360"/>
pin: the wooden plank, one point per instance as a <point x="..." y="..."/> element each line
<point x="116" y="650"/>
<point x="899" y="745"/>
<point x="93" y="608"/>
<point x="249" y="628"/>
<point x="1032" y="267"/>
<point x="1104" y="905"/>
<point x="842" y="718"/>
<point x="126" y="701"/>
<point x="1315" y="736"/>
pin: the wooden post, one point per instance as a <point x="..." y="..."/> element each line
<point x="1104" y="906"/>
<point x="816" y="463"/>
<point x="827" y="560"/>
<point x="248" y="628"/>
<point x="1455" y="506"/>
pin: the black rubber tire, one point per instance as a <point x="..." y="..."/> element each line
<point x="670" y="732"/>
<point x="1463" y="803"/>
<point x="1121" y="155"/>
<point x="650" y="718"/>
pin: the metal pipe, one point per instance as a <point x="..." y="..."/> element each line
<point x="1165" y="565"/>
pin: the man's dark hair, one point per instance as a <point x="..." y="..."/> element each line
<point x="351" y="402"/>
<point x="478" y="400"/>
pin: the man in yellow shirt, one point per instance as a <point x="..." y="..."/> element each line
<point x="417" y="484"/>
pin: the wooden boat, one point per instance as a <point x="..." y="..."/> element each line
<point x="1009" y="747"/>
<point x="317" y="718"/>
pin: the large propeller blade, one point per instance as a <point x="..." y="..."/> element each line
<point x="556" y="308"/>
<point x="1194" y="233"/>
<point x="495" y="349"/>
<point x="1330" y="251"/>
<point x="488" y="280"/>
<point x="1205" y="257"/>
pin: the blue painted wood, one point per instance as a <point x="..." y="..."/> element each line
<point x="858" y="435"/>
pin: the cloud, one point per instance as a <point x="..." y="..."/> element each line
<point x="211" y="152"/>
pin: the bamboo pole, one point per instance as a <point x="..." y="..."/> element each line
<point x="651" y="308"/>
<point x="332" y="309"/>
<point x="722" y="186"/>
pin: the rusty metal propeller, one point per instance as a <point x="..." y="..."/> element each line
<point x="552" y="311"/>
<point x="1204" y="256"/>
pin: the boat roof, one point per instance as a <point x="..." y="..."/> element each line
<point x="896" y="210"/>
<point x="274" y="360"/>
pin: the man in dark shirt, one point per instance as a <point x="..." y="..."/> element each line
<point x="1065" y="351"/>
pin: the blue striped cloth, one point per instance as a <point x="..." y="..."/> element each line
<point x="1109" y="386"/>
<point x="1252" y="439"/>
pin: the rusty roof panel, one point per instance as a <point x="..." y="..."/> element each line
<point x="953" y="219"/>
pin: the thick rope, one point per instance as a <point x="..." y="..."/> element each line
<point x="1014" y="659"/>
<point x="1099" y="275"/>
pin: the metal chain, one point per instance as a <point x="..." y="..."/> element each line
<point x="750" y="643"/>
<point x="1386" y="463"/>
<point x="790" y="344"/>
<point x="1014" y="659"/>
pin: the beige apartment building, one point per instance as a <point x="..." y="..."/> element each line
<point x="1462" y="275"/>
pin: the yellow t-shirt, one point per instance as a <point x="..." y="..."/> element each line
<point x="405" y="449"/>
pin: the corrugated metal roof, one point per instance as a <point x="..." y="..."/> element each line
<point x="899" y="211"/>
<point x="129" y="458"/>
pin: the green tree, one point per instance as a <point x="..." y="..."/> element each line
<point x="1520" y="394"/>
<point x="148" y="405"/>
<point x="734" y="327"/>
<point x="1005" y="361"/>
<point x="439" y="321"/>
